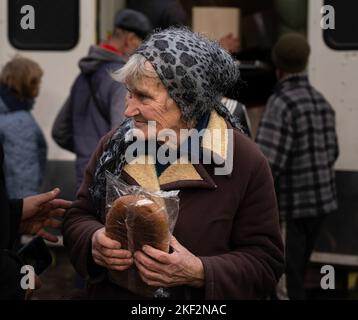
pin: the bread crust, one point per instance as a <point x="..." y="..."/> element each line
<point x="135" y="220"/>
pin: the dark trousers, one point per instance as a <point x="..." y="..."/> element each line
<point x="301" y="235"/>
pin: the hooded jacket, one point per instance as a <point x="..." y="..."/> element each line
<point x="89" y="124"/>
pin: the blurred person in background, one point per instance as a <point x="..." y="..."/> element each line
<point x="298" y="135"/>
<point x="161" y="13"/>
<point x="171" y="13"/>
<point x="22" y="139"/>
<point x="23" y="216"/>
<point x="96" y="103"/>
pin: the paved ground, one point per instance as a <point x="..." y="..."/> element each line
<point x="58" y="280"/>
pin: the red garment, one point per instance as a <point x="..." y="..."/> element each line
<point x="109" y="47"/>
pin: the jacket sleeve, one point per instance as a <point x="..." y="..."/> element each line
<point x="252" y="269"/>
<point x="10" y="276"/>
<point x="11" y="212"/>
<point x="15" y="218"/>
<point x="275" y="134"/>
<point x="331" y="138"/>
<point x="10" y="263"/>
<point x="80" y="223"/>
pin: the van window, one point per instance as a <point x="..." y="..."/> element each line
<point x="43" y="24"/>
<point x="345" y="34"/>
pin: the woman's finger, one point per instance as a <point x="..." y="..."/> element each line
<point x="53" y="223"/>
<point x="119" y="268"/>
<point x="120" y="254"/>
<point x="47" y="236"/>
<point x="107" y="242"/>
<point x="148" y="262"/>
<point x="97" y="258"/>
<point x="117" y="262"/>
<point x="157" y="255"/>
<point x="152" y="283"/>
<point x="57" y="213"/>
<point x="61" y="204"/>
<point x="46" y="197"/>
<point x="148" y="274"/>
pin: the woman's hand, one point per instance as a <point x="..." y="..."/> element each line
<point x="43" y="210"/>
<point x="108" y="253"/>
<point x="161" y="269"/>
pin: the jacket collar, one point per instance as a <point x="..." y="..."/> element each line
<point x="182" y="173"/>
<point x="293" y="80"/>
<point x="10" y="103"/>
<point x="110" y="48"/>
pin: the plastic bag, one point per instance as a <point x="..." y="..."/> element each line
<point x="135" y="217"/>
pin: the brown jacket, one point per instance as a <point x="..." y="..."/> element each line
<point x="230" y="222"/>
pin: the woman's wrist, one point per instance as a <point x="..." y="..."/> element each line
<point x="198" y="274"/>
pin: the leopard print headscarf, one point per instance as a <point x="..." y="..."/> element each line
<point x="196" y="71"/>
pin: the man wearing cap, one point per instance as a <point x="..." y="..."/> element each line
<point x="297" y="133"/>
<point x="226" y="243"/>
<point x="96" y="102"/>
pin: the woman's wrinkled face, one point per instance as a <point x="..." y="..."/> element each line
<point x="148" y="100"/>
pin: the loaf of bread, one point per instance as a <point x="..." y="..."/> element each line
<point x="135" y="220"/>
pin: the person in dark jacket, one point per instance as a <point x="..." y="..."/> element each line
<point x="28" y="216"/>
<point x="96" y="102"/>
<point x="22" y="139"/>
<point x="161" y="13"/>
<point x="170" y="13"/>
<point x="298" y="135"/>
<point x="226" y="242"/>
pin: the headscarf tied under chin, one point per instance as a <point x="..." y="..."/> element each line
<point x="196" y="71"/>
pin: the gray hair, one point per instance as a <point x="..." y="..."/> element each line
<point x="135" y="69"/>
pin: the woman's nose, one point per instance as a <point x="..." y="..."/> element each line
<point x="131" y="109"/>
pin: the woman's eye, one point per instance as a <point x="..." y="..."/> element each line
<point x="137" y="95"/>
<point x="142" y="97"/>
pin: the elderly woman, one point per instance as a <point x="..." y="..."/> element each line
<point x="226" y="243"/>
